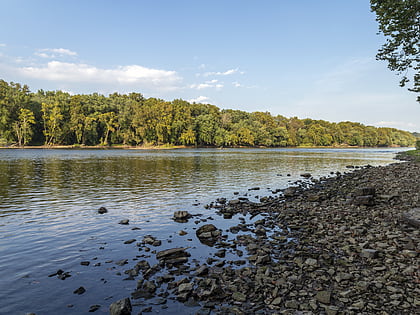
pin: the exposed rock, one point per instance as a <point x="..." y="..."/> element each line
<point x="182" y="216"/>
<point x="208" y="234"/>
<point x="102" y="210"/>
<point x="124" y="222"/>
<point x="412" y="217"/>
<point x="121" y="307"/>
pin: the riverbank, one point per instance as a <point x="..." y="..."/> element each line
<point x="342" y="246"/>
<point x="172" y="147"/>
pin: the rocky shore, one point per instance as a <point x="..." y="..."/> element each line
<point x="346" y="245"/>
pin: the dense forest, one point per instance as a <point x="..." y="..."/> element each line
<point x="58" y="118"/>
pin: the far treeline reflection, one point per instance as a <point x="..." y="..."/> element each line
<point x="58" y="118"/>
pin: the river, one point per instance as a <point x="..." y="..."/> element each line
<point x="49" y="220"/>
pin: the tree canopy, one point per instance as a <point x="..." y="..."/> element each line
<point x="58" y="118"/>
<point x="399" y="21"/>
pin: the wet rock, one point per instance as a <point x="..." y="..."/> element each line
<point x="145" y="289"/>
<point x="124" y="222"/>
<point x="151" y="240"/>
<point x="121" y="307"/>
<point x="94" y="308"/>
<point x="102" y="210"/>
<point x="122" y="262"/>
<point x="306" y="175"/>
<point x="181" y="216"/>
<point x="85" y="263"/>
<point x="173" y="256"/>
<point x="290" y="192"/>
<point x="79" y="290"/>
<point x="208" y="234"/>
<point x="130" y="241"/>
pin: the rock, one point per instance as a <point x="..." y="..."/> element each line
<point x="102" y="210"/>
<point x="185" y="287"/>
<point x="369" y="253"/>
<point x="364" y="200"/>
<point x="290" y="191"/>
<point x="85" y="263"/>
<point x="208" y="234"/>
<point x="121" y="307"/>
<point x="306" y="175"/>
<point x="412" y="217"/>
<point x="145" y="289"/>
<point x="94" y="308"/>
<point x="238" y="296"/>
<point x="79" y="290"/>
<point x="323" y="297"/>
<point x="122" y="262"/>
<point x="182" y="216"/>
<point x="182" y="233"/>
<point x="172" y="253"/>
<point x="366" y="191"/>
<point x="124" y="221"/>
<point x="130" y="241"/>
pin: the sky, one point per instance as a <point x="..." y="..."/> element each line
<point x="305" y="58"/>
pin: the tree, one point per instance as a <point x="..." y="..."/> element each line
<point x="399" y="21"/>
<point x="53" y="117"/>
<point x="23" y="126"/>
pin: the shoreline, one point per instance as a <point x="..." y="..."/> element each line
<point x="341" y="246"/>
<point x="177" y="147"/>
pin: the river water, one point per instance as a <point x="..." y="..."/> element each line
<point x="49" y="221"/>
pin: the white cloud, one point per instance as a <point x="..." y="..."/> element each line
<point x="227" y="72"/>
<point x="77" y="72"/>
<point x="55" y="53"/>
<point x="237" y="84"/>
<point x="199" y="99"/>
<point x="396" y="124"/>
<point x="207" y="84"/>
<point x="2" y="45"/>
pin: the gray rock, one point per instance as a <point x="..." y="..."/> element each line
<point x="124" y="221"/>
<point x="121" y="307"/>
<point x="323" y="297"/>
<point x="412" y="217"/>
<point x="369" y="253"/>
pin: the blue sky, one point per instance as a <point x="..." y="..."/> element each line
<point x="301" y="58"/>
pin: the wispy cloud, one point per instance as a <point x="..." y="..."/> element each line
<point x="55" y="53"/>
<point x="227" y="72"/>
<point x="2" y="45"/>
<point x="78" y="72"/>
<point x="199" y="99"/>
<point x="206" y="85"/>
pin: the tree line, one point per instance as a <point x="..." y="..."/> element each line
<point x="58" y="118"/>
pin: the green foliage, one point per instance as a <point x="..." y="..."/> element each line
<point x="418" y="144"/>
<point x="57" y="118"/>
<point x="399" y="21"/>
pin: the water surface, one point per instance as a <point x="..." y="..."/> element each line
<point x="49" y="220"/>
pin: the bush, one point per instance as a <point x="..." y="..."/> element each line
<point x="418" y="144"/>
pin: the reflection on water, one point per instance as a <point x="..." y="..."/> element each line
<point x="49" y="198"/>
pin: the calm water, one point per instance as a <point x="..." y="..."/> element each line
<point x="49" y="220"/>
